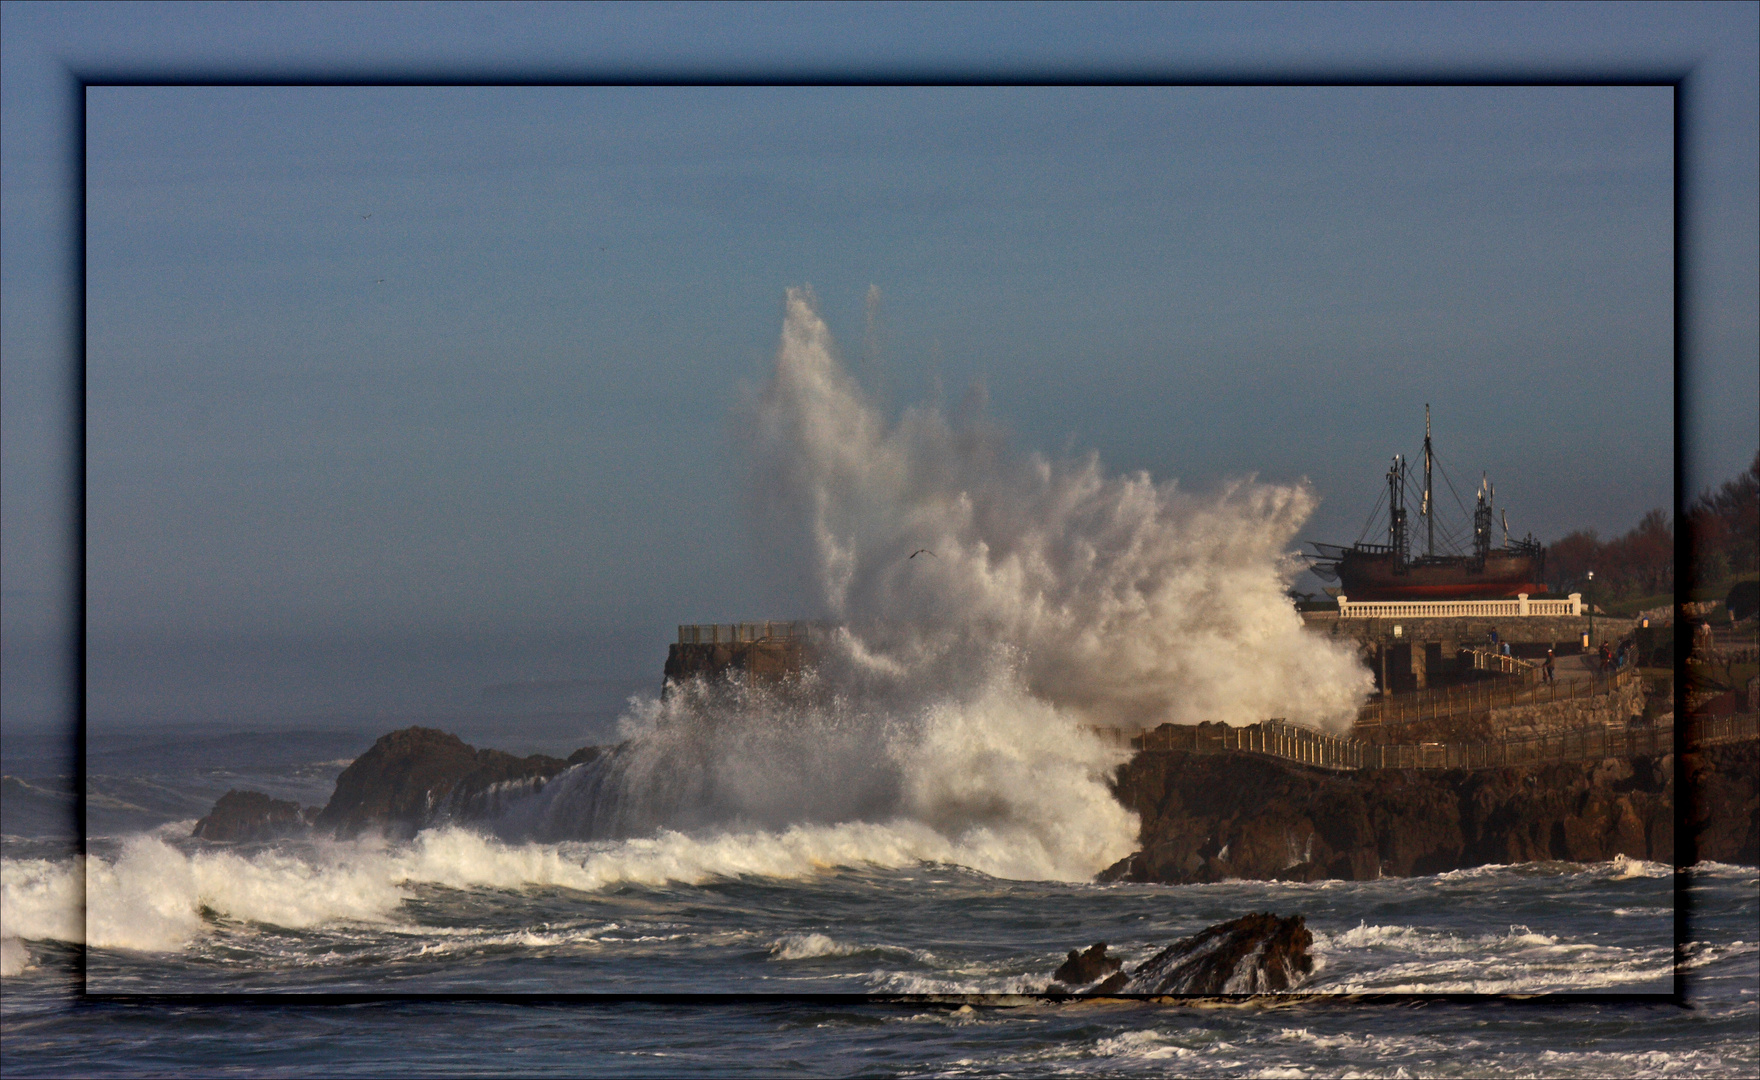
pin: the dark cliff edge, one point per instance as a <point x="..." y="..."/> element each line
<point x="1210" y="817"/>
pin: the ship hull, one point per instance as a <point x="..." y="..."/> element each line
<point x="1376" y="577"/>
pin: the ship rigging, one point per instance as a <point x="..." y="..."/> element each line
<point x="1389" y="571"/>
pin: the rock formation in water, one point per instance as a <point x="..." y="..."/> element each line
<point x="1254" y="954"/>
<point x="245" y="816"/>
<point x="1087" y="968"/>
<point x="1210" y="817"/>
<point x="419" y="776"/>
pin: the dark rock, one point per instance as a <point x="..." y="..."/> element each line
<point x="1724" y="817"/>
<point x="1254" y="954"/>
<point x="251" y="816"/>
<point x="1087" y="967"/>
<point x="1210" y="817"/>
<point x="1125" y="869"/>
<point x="419" y="776"/>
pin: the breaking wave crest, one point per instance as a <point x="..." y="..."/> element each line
<point x="156" y="896"/>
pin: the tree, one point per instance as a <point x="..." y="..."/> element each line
<point x="1723" y="527"/>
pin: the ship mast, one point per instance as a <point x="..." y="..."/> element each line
<point x="1429" y="518"/>
<point x="1396" y="513"/>
<point x="1482" y="521"/>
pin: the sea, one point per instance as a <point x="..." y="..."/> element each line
<point x="816" y="949"/>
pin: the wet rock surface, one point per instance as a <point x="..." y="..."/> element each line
<point x="419" y="776"/>
<point x="1254" y="954"/>
<point x="1260" y="953"/>
<point x="1212" y="817"/>
<point x="245" y="816"/>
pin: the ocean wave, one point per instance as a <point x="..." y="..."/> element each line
<point x="1410" y="959"/>
<point x="155" y="895"/>
<point x="1698" y="954"/>
<point x="957" y="984"/>
<point x="1623" y="868"/>
<point x="15" y="957"/>
<point x="41" y="899"/>
<point x="812" y="946"/>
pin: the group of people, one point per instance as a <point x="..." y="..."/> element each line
<point x="1499" y="646"/>
<point x="1611" y="659"/>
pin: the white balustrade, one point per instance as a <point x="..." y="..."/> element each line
<point x="1520" y="607"/>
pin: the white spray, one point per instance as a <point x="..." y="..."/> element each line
<point x="1125" y="602"/>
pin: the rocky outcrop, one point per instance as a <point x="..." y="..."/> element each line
<point x="418" y="776"/>
<point x="1254" y="954"/>
<point x="1724" y="817"/>
<point x="1210" y="817"/>
<point x="246" y="816"/>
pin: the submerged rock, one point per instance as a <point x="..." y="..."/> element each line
<point x="1254" y="954"/>
<point x="252" y="816"/>
<point x="419" y="776"/>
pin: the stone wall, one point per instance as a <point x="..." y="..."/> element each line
<point x="1426" y="651"/>
<point x="1619" y="708"/>
<point x="1616" y="708"/>
<point x="762" y="661"/>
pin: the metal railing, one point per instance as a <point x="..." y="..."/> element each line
<point x="1717" y="730"/>
<point x="1491" y="660"/>
<point x="1274" y="737"/>
<point x="1520" y="607"/>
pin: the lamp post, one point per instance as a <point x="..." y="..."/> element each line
<point x="1591" y="607"/>
<point x="1591" y="589"/>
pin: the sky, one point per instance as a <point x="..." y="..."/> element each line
<point x="454" y="367"/>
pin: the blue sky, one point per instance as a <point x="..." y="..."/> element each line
<point x="388" y="361"/>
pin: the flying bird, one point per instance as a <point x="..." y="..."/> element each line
<point x="365" y="216"/>
<point x="922" y="551"/>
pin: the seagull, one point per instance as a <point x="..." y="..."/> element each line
<point x="922" y="551"/>
<point x="365" y="216"/>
